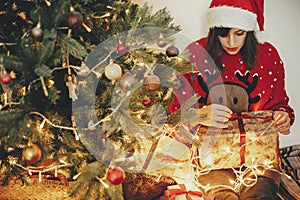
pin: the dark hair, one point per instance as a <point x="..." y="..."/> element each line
<point x="215" y="50"/>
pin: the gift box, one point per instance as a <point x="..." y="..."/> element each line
<point x="159" y="164"/>
<point x="251" y="139"/>
<point x="165" y="155"/>
<point x="179" y="192"/>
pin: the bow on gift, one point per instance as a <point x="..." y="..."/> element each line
<point x="173" y="192"/>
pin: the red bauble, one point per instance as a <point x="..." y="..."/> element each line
<point x="121" y="48"/>
<point x="31" y="154"/>
<point x="126" y="81"/>
<point x="115" y="175"/>
<point x="74" y="19"/>
<point x="5" y="79"/>
<point x="162" y="42"/>
<point x="146" y="102"/>
<point x="172" y="51"/>
<point x="152" y="82"/>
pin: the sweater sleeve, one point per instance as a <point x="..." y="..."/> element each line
<point x="279" y="100"/>
<point x="182" y="93"/>
<point x="189" y="86"/>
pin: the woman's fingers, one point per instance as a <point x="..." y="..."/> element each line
<point x="221" y="113"/>
<point x="282" y="121"/>
<point x="222" y="108"/>
<point x="216" y="115"/>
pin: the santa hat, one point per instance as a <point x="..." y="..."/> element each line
<point x="247" y="15"/>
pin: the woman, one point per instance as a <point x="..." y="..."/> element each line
<point x="232" y="56"/>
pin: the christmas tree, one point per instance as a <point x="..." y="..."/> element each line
<point x="83" y="82"/>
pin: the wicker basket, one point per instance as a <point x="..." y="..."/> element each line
<point x="46" y="189"/>
<point x="145" y="186"/>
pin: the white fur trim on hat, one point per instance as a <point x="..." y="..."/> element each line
<point x="261" y="36"/>
<point x="232" y="17"/>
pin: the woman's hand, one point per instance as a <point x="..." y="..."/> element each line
<point x="215" y="115"/>
<point x="282" y="121"/>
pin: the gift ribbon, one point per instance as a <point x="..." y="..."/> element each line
<point x="173" y="192"/>
<point x="240" y="118"/>
<point x="179" y="137"/>
<point x="246" y="116"/>
<point x="242" y="140"/>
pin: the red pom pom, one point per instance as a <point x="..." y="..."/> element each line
<point x="115" y="175"/>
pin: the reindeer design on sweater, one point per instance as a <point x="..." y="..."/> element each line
<point x="234" y="96"/>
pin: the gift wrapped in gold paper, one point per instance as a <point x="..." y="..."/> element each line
<point x="251" y="139"/>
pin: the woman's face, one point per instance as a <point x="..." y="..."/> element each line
<point x="233" y="42"/>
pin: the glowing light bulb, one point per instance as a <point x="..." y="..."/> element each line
<point x="227" y="149"/>
<point x="208" y="160"/>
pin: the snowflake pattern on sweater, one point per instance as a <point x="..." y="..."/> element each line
<point x="265" y="84"/>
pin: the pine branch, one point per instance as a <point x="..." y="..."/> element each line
<point x="87" y="177"/>
<point x="73" y="47"/>
<point x="12" y="62"/>
<point x="8" y="171"/>
<point x="59" y="11"/>
<point x="43" y="70"/>
<point x="9" y="117"/>
<point x="46" y="47"/>
<point x="161" y="18"/>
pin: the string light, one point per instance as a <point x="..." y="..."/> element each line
<point x="102" y="16"/>
<point x="42" y="124"/>
<point x="101" y="181"/>
<point x="74" y="127"/>
<point x="76" y="176"/>
<point x="87" y="28"/>
<point x="50" y="123"/>
<point x="245" y="175"/>
<point x="48" y="3"/>
<point x="42" y="169"/>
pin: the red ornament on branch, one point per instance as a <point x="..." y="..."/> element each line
<point x="162" y="42"/>
<point x="121" y="48"/>
<point x="115" y="175"/>
<point x="152" y="82"/>
<point x="5" y="79"/>
<point x="146" y="102"/>
<point x="172" y="51"/>
<point x="126" y="81"/>
<point x="74" y="19"/>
